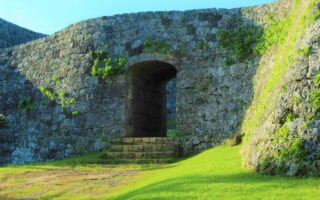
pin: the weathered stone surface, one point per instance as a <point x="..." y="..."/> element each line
<point x="287" y="140"/>
<point x="11" y="34"/>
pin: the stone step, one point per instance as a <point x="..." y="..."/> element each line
<point x="144" y="140"/>
<point x="139" y="161"/>
<point x="140" y="155"/>
<point x="142" y="147"/>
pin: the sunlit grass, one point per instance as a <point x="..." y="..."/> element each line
<point x="217" y="174"/>
<point x="213" y="174"/>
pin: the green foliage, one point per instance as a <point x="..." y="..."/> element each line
<point x="241" y="41"/>
<point x="75" y="113"/>
<point x="275" y="33"/>
<point x="296" y="99"/>
<point x="63" y="101"/>
<point x="56" y="79"/>
<point x="229" y="61"/>
<point x="47" y="93"/>
<point x="309" y="118"/>
<point x="289" y="148"/>
<point x="25" y="103"/>
<point x="181" y="51"/>
<point x="243" y="103"/>
<point x="315" y="14"/>
<point x="281" y="135"/>
<point x="105" y="66"/>
<point x="284" y="88"/>
<point x="166" y="22"/>
<point x="59" y="98"/>
<point x="160" y="47"/>
<point x="315" y="101"/>
<point x="290" y="116"/>
<point x="203" y="44"/>
<point x="306" y="51"/>
<point x="315" y="98"/>
<point x="234" y="110"/>
<point x="316" y="79"/>
<point x="281" y="38"/>
<point x="204" y="86"/>
<point x="71" y="101"/>
<point x="3" y="122"/>
<point x="62" y="94"/>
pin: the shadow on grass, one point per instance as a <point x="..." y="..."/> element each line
<point x="97" y="159"/>
<point x="194" y="187"/>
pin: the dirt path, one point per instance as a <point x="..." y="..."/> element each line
<point x="63" y="183"/>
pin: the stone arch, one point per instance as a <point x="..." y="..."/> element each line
<point x="146" y="80"/>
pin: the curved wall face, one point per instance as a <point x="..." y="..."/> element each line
<point x="11" y="34"/>
<point x="85" y="111"/>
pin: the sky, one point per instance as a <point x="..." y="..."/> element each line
<point x="49" y="16"/>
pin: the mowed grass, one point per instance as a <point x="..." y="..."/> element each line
<point x="213" y="174"/>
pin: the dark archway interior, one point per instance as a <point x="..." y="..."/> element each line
<point x="146" y="112"/>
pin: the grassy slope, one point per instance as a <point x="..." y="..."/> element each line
<point x="213" y="174"/>
<point x="281" y="41"/>
<point x="217" y="174"/>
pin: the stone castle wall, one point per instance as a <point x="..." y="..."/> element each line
<point x="211" y="97"/>
<point x="11" y="34"/>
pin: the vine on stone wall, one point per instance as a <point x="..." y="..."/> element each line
<point x="60" y="98"/>
<point x="25" y="103"/>
<point x="105" y="66"/>
<point x="242" y="42"/>
<point x="161" y="46"/>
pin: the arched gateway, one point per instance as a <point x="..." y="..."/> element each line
<point x="146" y="112"/>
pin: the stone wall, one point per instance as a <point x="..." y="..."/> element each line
<point x="211" y="97"/>
<point x="287" y="138"/>
<point x="11" y="34"/>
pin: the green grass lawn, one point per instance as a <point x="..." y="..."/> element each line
<point x="213" y="174"/>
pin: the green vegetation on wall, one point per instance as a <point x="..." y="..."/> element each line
<point x="104" y="66"/>
<point x="156" y="46"/>
<point x="3" y="122"/>
<point x="60" y="98"/>
<point x="47" y="93"/>
<point x="241" y="42"/>
<point x="279" y="38"/>
<point x="315" y="101"/>
<point x="25" y="103"/>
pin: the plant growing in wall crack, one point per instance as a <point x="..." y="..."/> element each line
<point x="104" y="66"/>
<point x="241" y="42"/>
<point x="56" y="79"/>
<point x="47" y="93"/>
<point x="60" y="98"/>
<point x="3" y="122"/>
<point x="25" y="103"/>
<point x="160" y="46"/>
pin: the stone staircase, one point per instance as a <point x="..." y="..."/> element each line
<point x="142" y="150"/>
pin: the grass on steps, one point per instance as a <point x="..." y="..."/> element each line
<point x="213" y="174"/>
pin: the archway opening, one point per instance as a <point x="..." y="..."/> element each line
<point x="146" y="105"/>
